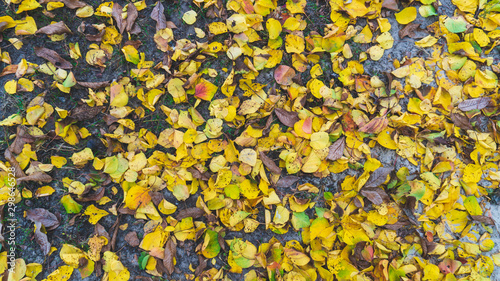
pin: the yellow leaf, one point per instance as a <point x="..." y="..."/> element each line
<point x="27" y="5"/>
<point x="95" y="214"/>
<point x="407" y="15"/>
<point x="189" y="17"/>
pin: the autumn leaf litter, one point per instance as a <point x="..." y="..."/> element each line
<point x="71" y="154"/>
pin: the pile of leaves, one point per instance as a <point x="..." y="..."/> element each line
<point x="237" y="143"/>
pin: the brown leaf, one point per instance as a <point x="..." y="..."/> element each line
<point x="55" y="28"/>
<point x="376" y="195"/>
<point x="132" y="239"/>
<point x="474" y="104"/>
<point x="132" y="14"/>
<point x="41" y="239"/>
<point x="284" y="74"/>
<point x="95" y="37"/>
<point x="269" y="163"/>
<point x="22" y="138"/>
<point x="375" y="126"/>
<point x="85" y="112"/>
<point x="169" y="256"/>
<point x="378" y="177"/>
<point x="286" y="117"/>
<point x="190" y="212"/>
<point x="410" y="30"/>
<point x="53" y="57"/>
<point x="484" y="219"/>
<point x="287" y="181"/>
<point x="43" y="216"/>
<point x="390" y="4"/>
<point x="461" y="121"/>
<point x="36" y="176"/>
<point x="18" y="172"/>
<point x="336" y="150"/>
<point x="201" y="267"/>
<point x="94" y="85"/>
<point x="116" y="13"/>
<point x="72" y="4"/>
<point x="92" y="197"/>
<point x="9" y="69"/>
<point x="449" y="266"/>
<point x="158" y="15"/>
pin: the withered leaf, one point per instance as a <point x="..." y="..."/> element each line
<point x="474" y="104"/>
<point x="92" y="197"/>
<point x="55" y="28"/>
<point x="190" y="212"/>
<point x="269" y="163"/>
<point x="375" y="194"/>
<point x="286" y="117"/>
<point x="36" y="176"/>
<point x="390" y="4"/>
<point x="201" y="267"/>
<point x="94" y="85"/>
<point x="43" y="216"/>
<point x="410" y="30"/>
<point x="132" y="15"/>
<point x="95" y="37"/>
<point x="41" y="239"/>
<point x="375" y="126"/>
<point x="378" y="177"/>
<point x="132" y="239"/>
<point x="287" y="181"/>
<point x="158" y="15"/>
<point x="72" y="4"/>
<point x="18" y="172"/>
<point x="336" y="150"/>
<point x="461" y="121"/>
<point x="53" y="57"/>
<point x="484" y="219"/>
<point x="169" y="256"/>
<point x="116" y="13"/>
<point x="85" y="112"/>
<point x="22" y="138"/>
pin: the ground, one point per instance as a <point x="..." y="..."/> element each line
<point x="76" y="229"/>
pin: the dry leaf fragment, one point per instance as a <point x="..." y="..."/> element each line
<point x="36" y="176"/>
<point x="474" y="104"/>
<point x="132" y="15"/>
<point x="18" y="172"/>
<point x="287" y="181"/>
<point x="286" y="117"/>
<point x="411" y="30"/>
<point x="269" y="163"/>
<point x="48" y="219"/>
<point x="483" y="219"/>
<point x="117" y="15"/>
<point x="375" y="126"/>
<point x="190" y="212"/>
<point x="55" y="28"/>
<point x="461" y="121"/>
<point x="336" y="150"/>
<point x="132" y="239"/>
<point x="169" y="256"/>
<point x="41" y="239"/>
<point x="85" y="112"/>
<point x="158" y="15"/>
<point x="375" y="194"/>
<point x="53" y="57"/>
<point x="390" y="4"/>
<point x="94" y="85"/>
<point x="378" y="177"/>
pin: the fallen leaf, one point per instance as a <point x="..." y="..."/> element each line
<point x="55" y="28"/>
<point x="287" y="181"/>
<point x="170" y="256"/>
<point x="378" y="177"/>
<point x="53" y="57"/>
<point x="36" y="176"/>
<point x="474" y="104"/>
<point x="376" y="195"/>
<point x="269" y="163"/>
<point x="336" y="150"/>
<point x="158" y="15"/>
<point x="284" y="74"/>
<point x="132" y="239"/>
<point x="288" y="118"/>
<point x="46" y="218"/>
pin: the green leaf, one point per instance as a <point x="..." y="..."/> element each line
<point x="472" y="206"/>
<point x="300" y="220"/>
<point x="71" y="206"/>
<point x="427" y="11"/>
<point x="455" y="25"/>
<point x="213" y="247"/>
